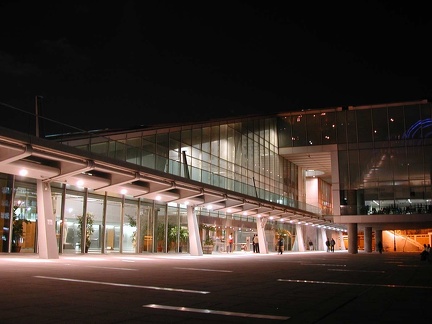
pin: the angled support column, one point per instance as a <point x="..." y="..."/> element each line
<point x="342" y="242"/>
<point x="195" y="247"/>
<point x="323" y="239"/>
<point x="262" y="240"/>
<point x="47" y="241"/>
<point x="299" y="238"/>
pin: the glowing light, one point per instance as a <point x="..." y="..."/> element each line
<point x="23" y="172"/>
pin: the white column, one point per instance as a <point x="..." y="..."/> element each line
<point x="299" y="238"/>
<point x="324" y="239"/>
<point x="342" y="242"/>
<point x="262" y="240"/>
<point x="47" y="241"/>
<point x="195" y="247"/>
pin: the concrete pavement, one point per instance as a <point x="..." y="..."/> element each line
<point x="240" y="287"/>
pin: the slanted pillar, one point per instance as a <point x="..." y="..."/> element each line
<point x="299" y="238"/>
<point x="323" y="239"/>
<point x="195" y="247"/>
<point x="352" y="238"/>
<point x="262" y="241"/>
<point x="47" y="240"/>
<point x="368" y="239"/>
<point x="342" y="242"/>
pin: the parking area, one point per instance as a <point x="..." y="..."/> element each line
<point x="240" y="287"/>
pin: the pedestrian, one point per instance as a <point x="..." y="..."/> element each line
<point x="310" y="245"/>
<point x="380" y="247"/>
<point x="230" y="243"/>
<point x="256" y="244"/>
<point x="328" y="244"/>
<point x="280" y="244"/>
<point x="332" y="244"/>
<point x="425" y="254"/>
<point x="253" y="243"/>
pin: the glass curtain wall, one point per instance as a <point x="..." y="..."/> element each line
<point x="241" y="156"/>
<point x="146" y="221"/>
<point x="129" y="244"/>
<point x="384" y="154"/>
<point x="23" y="212"/>
<point x="73" y="208"/>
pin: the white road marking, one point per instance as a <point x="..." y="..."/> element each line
<point x="351" y="284"/>
<point x="109" y="268"/>
<point x="126" y="285"/>
<point x="324" y="264"/>
<point x="346" y="270"/>
<point x="212" y="311"/>
<point x="201" y="269"/>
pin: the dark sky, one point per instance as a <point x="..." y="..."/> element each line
<point x="115" y="64"/>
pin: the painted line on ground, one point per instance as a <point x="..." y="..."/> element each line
<point x="346" y="270"/>
<point x="216" y="312"/>
<point x="351" y="284"/>
<point x="99" y="267"/>
<point x="202" y="269"/>
<point x="126" y="285"/>
<point x="109" y="268"/>
<point x="324" y="264"/>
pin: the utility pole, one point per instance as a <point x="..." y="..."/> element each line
<point x="37" y="98"/>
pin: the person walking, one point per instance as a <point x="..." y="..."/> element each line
<point x="257" y="250"/>
<point x="230" y="243"/>
<point x="380" y="247"/>
<point x="280" y="245"/>
<point x="328" y="244"/>
<point x="332" y="244"/>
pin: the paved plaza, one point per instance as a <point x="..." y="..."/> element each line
<point x="240" y="287"/>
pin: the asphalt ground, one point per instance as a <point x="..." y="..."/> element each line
<point x="240" y="287"/>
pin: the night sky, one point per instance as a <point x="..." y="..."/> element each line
<point x="116" y="64"/>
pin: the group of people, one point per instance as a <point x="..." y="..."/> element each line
<point x="426" y="255"/>
<point x="330" y="244"/>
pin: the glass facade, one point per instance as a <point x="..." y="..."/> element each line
<point x="382" y="165"/>
<point x="384" y="154"/>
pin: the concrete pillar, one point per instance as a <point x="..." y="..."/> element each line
<point x="323" y="239"/>
<point x="352" y="238"/>
<point x="47" y="240"/>
<point x="368" y="239"/>
<point x="262" y="240"/>
<point x="299" y="238"/>
<point x="195" y="247"/>
<point x="342" y="242"/>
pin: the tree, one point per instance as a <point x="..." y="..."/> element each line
<point x="89" y="230"/>
<point x="18" y="232"/>
<point x="208" y="228"/>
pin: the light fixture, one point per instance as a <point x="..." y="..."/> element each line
<point x="313" y="173"/>
<point x="23" y="172"/>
